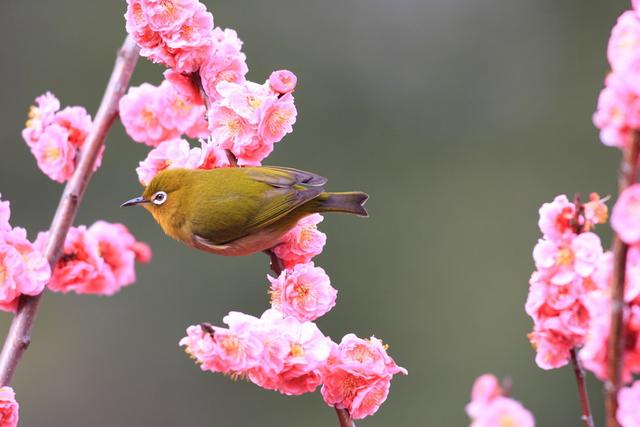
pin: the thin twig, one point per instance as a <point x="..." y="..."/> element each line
<point x="628" y="176"/>
<point x="344" y="418"/>
<point x="586" y="418"/>
<point x="19" y="335"/>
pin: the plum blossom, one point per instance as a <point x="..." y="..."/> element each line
<point x="618" y="111"/>
<point x="226" y="62"/>
<point x="275" y="352"/>
<point x="96" y="260"/>
<point x="625" y="218"/>
<point x="248" y="119"/>
<point x="40" y="117"/>
<point x="628" y="414"/>
<point x="9" y="407"/>
<point x="177" y="153"/>
<point x="23" y="269"/>
<point x="55" y="136"/>
<point x="176" y="33"/>
<point x="570" y="265"/>
<point x="304" y="292"/>
<point x="301" y="243"/>
<point x="357" y="375"/>
<point x="624" y="48"/>
<point x="489" y="407"/>
<point x="282" y="81"/>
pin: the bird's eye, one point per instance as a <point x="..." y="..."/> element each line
<point x="159" y="198"/>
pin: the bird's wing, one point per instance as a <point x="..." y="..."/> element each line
<point x="270" y="194"/>
<point x="282" y="177"/>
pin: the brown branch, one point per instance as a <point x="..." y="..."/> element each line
<point x="586" y="418"/>
<point x="19" y="334"/>
<point x="628" y="175"/>
<point x="344" y="418"/>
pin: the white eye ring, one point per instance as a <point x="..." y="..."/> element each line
<point x="159" y="198"/>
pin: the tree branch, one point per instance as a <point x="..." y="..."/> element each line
<point x="628" y="176"/>
<point x="344" y="419"/>
<point x="586" y="418"/>
<point x="19" y="334"/>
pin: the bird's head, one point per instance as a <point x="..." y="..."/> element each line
<point x="162" y="197"/>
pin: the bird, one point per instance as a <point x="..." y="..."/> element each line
<point x="239" y="211"/>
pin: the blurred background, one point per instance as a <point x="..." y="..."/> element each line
<point x="459" y="117"/>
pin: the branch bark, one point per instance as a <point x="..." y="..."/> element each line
<point x="586" y="418"/>
<point x="628" y="176"/>
<point x="19" y="335"/>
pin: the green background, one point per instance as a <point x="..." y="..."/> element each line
<point x="459" y="117"/>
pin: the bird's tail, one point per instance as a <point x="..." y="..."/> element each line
<point x="351" y="202"/>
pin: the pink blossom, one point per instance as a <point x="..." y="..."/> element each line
<point x="139" y="113"/>
<point x="40" y="117"/>
<point x="79" y="264"/>
<point x="308" y="351"/>
<point x="624" y="48"/>
<point x="172" y="154"/>
<point x="556" y="218"/>
<point x="490" y="408"/>
<point x="301" y="243"/>
<point x="11" y="269"/>
<point x="617" y="112"/>
<point x="485" y="389"/>
<point x="357" y="375"/>
<point x="5" y="214"/>
<point x="562" y="263"/>
<point x="226" y="63"/>
<point x="166" y="15"/>
<point x="228" y="129"/>
<point x="282" y="81"/>
<point x="54" y="153"/>
<point x="594" y="352"/>
<point x="232" y="350"/>
<point x="184" y="86"/>
<point x="212" y="156"/>
<point x="304" y="292"/>
<point x="628" y="414"/>
<point x="119" y="250"/>
<point x="176" y="112"/>
<point x="77" y="122"/>
<point x="251" y="152"/>
<point x="246" y="99"/>
<point x="9" y="407"/>
<point x="625" y="218"/>
<point x="504" y="411"/>
<point x="194" y="32"/>
<point x="278" y="117"/>
<point x="36" y="271"/>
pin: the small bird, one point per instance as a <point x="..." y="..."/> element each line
<point x="240" y="210"/>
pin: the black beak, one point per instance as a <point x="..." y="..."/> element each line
<point x="134" y="201"/>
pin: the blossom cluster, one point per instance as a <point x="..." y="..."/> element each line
<point x="279" y="352"/>
<point x="23" y="268"/>
<point x="626" y="223"/>
<point x="490" y="407"/>
<point x="618" y="111"/>
<point x="207" y="68"/>
<point x="568" y="260"/>
<point x="96" y="260"/>
<point x="56" y="136"/>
